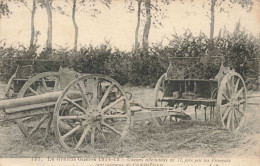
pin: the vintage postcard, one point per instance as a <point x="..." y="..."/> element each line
<point x="129" y="82"/>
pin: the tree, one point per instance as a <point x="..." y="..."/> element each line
<point x="32" y="11"/>
<point x="139" y="3"/>
<point x="131" y="8"/>
<point x="32" y="24"/>
<point x="4" y="8"/>
<point x="75" y="25"/>
<point x="220" y="4"/>
<point x="145" y="13"/>
<point x="155" y="10"/>
<point x="147" y="25"/>
<point x="47" y="4"/>
<point x="87" y="6"/>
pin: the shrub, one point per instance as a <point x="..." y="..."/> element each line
<point x="239" y="48"/>
<point x="9" y="57"/>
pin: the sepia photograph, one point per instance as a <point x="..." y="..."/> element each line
<point x="130" y="82"/>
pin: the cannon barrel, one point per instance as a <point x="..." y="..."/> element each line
<point x="32" y="100"/>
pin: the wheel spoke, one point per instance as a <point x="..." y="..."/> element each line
<point x="111" y="128"/>
<point x="39" y="123"/>
<point x="27" y="118"/>
<point x="44" y="84"/>
<point x="82" y="91"/>
<point x="56" y="84"/>
<point x="226" y="105"/>
<point x="236" y="86"/>
<point x="239" y="92"/>
<point x="70" y="132"/>
<point x="235" y="117"/>
<point x="70" y="117"/>
<point x="225" y="114"/>
<point x="33" y="91"/>
<point x="228" y="89"/>
<point x="113" y="103"/>
<point x="22" y="128"/>
<point x="84" y="134"/>
<point x="237" y="109"/>
<point x="95" y="92"/>
<point x="75" y="104"/>
<point x="165" y="118"/>
<point x="92" y="139"/>
<point x="233" y="120"/>
<point x="229" y="119"/>
<point x="114" y="116"/>
<point x="105" y="95"/>
<point x="232" y="83"/>
<point x="224" y="95"/>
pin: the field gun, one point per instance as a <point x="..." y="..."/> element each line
<point x="85" y="109"/>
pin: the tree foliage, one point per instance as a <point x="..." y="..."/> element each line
<point x="222" y="6"/>
<point x="4" y="8"/>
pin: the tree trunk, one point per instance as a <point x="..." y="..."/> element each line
<point x="147" y="25"/>
<point x="75" y="25"/>
<point x="137" y="26"/>
<point x="49" y="34"/>
<point x="32" y="24"/>
<point x="212" y="22"/>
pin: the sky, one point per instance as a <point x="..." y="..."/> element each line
<point x="117" y="24"/>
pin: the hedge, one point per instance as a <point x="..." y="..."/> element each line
<point x="240" y="49"/>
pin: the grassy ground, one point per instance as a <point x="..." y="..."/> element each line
<point x="181" y="139"/>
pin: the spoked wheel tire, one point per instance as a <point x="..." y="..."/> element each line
<point x="100" y="113"/>
<point x="158" y="95"/>
<point x="36" y="85"/>
<point x="231" y="102"/>
<point x="9" y="91"/>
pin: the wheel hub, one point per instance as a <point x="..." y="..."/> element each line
<point x="234" y="102"/>
<point x="94" y="117"/>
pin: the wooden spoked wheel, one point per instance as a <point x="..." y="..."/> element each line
<point x="93" y="109"/>
<point x="9" y="91"/>
<point x="231" y="102"/>
<point x="158" y="95"/>
<point x="36" y="85"/>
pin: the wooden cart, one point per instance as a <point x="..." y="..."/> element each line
<point x="26" y="68"/>
<point x="223" y="96"/>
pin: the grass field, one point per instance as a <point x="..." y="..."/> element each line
<point x="176" y="139"/>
